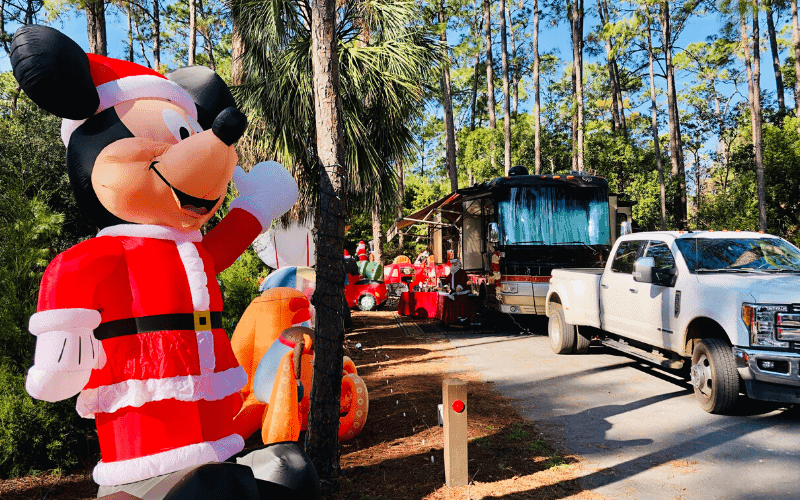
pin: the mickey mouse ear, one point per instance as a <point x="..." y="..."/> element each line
<point x="53" y="71"/>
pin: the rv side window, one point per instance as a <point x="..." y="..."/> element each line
<point x="625" y="256"/>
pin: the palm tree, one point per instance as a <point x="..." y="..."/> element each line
<point x="382" y="84"/>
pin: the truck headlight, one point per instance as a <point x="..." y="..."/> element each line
<point x="760" y="321"/>
<point x="508" y="288"/>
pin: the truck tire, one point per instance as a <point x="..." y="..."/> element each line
<point x="582" y="340"/>
<point x="714" y="376"/>
<point x="561" y="334"/>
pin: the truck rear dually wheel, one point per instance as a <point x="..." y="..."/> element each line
<point x="582" y="340"/>
<point x="714" y="376"/>
<point x="562" y="334"/>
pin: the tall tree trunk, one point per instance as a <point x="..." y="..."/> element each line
<point x="487" y="25"/>
<point x="796" y="45"/>
<point x="576" y="25"/>
<point x="514" y="69"/>
<point x="237" y="52"/>
<point x="754" y="91"/>
<point x="449" y="126"/>
<point x="130" y="30"/>
<point x="377" y="231"/>
<point x="675" y="140"/>
<point x="654" y="128"/>
<point x="95" y="11"/>
<point x="473" y="102"/>
<point x="776" y="59"/>
<point x="322" y="439"/>
<point x="612" y="80"/>
<point x="156" y="36"/>
<point x="401" y="238"/>
<point x="537" y="111"/>
<point x="474" y="99"/>
<point x="192" y="30"/>
<point x="620" y="98"/>
<point x="506" y="89"/>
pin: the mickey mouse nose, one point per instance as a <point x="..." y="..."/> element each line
<point x="229" y="125"/>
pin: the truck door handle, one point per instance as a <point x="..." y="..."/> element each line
<point x="603" y="285"/>
<point x="633" y="290"/>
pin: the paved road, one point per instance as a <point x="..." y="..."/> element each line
<point x="639" y="428"/>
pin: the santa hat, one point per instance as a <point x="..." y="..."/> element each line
<point x="118" y="81"/>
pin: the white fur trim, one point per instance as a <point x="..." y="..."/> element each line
<point x="135" y="393"/>
<point x="144" y="86"/>
<point x="63" y="319"/>
<point x="130" y="88"/>
<point x="205" y="350"/>
<point x="68" y="127"/>
<point x="195" y="272"/>
<point x="152" y="231"/>
<point x="137" y="469"/>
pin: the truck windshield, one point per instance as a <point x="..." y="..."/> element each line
<point x="739" y="255"/>
<point x="553" y="215"/>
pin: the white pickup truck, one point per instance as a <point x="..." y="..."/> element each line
<point x="727" y="301"/>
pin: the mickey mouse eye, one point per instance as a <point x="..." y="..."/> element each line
<point x="180" y="128"/>
<point x="195" y="126"/>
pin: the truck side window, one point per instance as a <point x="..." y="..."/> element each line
<point x="665" y="262"/>
<point x="625" y="256"/>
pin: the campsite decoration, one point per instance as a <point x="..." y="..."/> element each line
<point x="131" y="319"/>
<point x="361" y="251"/>
<point x="277" y="382"/>
<point x="288" y="246"/>
<point x="267" y="316"/>
<point x="276" y="351"/>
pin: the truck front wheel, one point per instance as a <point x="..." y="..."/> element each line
<point x="561" y="334"/>
<point x="714" y="376"/>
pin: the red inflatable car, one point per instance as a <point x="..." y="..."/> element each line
<point x="402" y="277"/>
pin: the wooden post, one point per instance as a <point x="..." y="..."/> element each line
<point x="454" y="396"/>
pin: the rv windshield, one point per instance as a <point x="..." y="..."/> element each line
<point x="554" y="215"/>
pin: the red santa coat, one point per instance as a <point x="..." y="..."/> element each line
<point x="167" y="386"/>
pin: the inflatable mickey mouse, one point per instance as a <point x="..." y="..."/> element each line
<point x="131" y="319"/>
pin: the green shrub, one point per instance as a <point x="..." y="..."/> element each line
<point x="35" y="435"/>
<point x="239" y="285"/>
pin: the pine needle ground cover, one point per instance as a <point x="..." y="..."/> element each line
<point x="399" y="454"/>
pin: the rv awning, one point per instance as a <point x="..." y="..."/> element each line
<point x="426" y="213"/>
<point x="422" y="216"/>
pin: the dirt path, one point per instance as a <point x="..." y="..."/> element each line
<point x="399" y="453"/>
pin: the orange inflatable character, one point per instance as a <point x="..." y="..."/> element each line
<point x="262" y="323"/>
<point x="278" y="383"/>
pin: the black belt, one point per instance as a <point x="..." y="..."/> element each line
<point x="197" y="321"/>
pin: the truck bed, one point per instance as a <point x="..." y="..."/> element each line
<point x="579" y="294"/>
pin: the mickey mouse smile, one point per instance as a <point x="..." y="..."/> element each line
<point x="200" y="206"/>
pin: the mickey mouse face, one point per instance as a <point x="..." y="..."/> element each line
<point x="168" y="172"/>
<point x="141" y="148"/>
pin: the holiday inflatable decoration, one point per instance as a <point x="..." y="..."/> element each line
<point x="267" y="316"/>
<point x="130" y="320"/>
<point x="276" y="350"/>
<point x="287" y="246"/>
<point x="361" y="251"/>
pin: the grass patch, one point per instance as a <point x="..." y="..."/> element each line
<point x="555" y="461"/>
<point x="482" y="441"/>
<point x="517" y="433"/>
<point x="539" y="446"/>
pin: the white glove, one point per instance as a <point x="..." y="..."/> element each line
<point x="267" y="191"/>
<point x="66" y="352"/>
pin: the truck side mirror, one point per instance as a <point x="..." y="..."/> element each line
<point x="494" y="232"/>
<point x="643" y="269"/>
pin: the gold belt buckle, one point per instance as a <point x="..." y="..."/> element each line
<point x="202" y="321"/>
